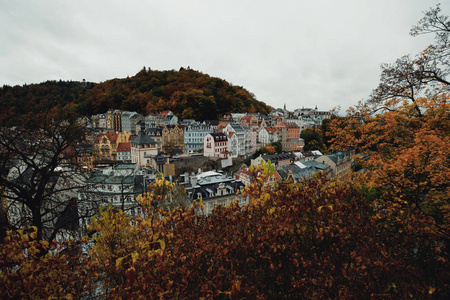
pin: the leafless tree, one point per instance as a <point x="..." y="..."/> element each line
<point x="422" y="75"/>
<point x="39" y="174"/>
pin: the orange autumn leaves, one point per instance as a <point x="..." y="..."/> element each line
<point x="407" y="158"/>
<point x="319" y="239"/>
<point x="382" y="234"/>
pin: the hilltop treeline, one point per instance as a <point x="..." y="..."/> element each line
<point x="188" y="93"/>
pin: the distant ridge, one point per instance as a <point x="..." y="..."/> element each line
<point x="188" y="93"/>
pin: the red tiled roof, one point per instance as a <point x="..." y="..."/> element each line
<point x="290" y="125"/>
<point x="271" y="130"/>
<point x="124" y="147"/>
<point x="247" y="118"/>
<point x="111" y="136"/>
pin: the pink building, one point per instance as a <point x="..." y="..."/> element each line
<point x="216" y="145"/>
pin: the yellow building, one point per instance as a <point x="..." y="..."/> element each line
<point x="173" y="138"/>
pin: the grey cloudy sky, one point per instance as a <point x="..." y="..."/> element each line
<point x="302" y="53"/>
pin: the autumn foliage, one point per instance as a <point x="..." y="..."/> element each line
<point x="25" y="273"/>
<point x="383" y="233"/>
<point x="188" y="93"/>
<point x="405" y="154"/>
<point x="319" y="239"/>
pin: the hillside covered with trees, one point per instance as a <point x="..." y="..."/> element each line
<point x="188" y="93"/>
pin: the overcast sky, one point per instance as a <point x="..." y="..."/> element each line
<point x="302" y="53"/>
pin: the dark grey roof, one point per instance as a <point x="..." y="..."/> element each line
<point x="219" y="137"/>
<point x="282" y="173"/>
<point x="333" y="157"/>
<point x="154" y="131"/>
<point x="204" y="189"/>
<point x="236" y="127"/>
<point x="143" y="139"/>
<point x="277" y="157"/>
<point x="316" y="165"/>
<point x="212" y="122"/>
<point x="298" y="172"/>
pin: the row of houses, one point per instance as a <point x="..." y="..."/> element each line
<point x="301" y="166"/>
<point x="245" y="132"/>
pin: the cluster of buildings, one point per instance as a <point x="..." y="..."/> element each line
<point x="126" y="151"/>
<point x="133" y="138"/>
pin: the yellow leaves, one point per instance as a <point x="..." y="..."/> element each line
<point x="134" y="257"/>
<point x="162" y="244"/>
<point x="330" y="207"/>
<point x="202" y="206"/>
<point x="431" y="290"/>
<point x="119" y="262"/>
<point x="271" y="211"/>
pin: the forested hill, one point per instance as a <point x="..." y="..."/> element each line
<point x="188" y="93"/>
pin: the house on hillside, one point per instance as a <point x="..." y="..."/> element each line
<point x="216" y="145"/>
<point x="105" y="146"/>
<point x="340" y="163"/>
<point x="239" y="141"/>
<point x="267" y="135"/>
<point x="215" y="189"/>
<point x="117" y="185"/>
<point x="123" y="152"/>
<point x="194" y="135"/>
<point x="142" y="148"/>
<point x="278" y="160"/>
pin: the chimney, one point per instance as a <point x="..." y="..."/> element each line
<point x="193" y="180"/>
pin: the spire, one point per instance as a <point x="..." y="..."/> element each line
<point x="284" y="105"/>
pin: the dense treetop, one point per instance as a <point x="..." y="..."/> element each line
<point x="188" y="93"/>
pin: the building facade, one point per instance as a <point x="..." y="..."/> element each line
<point x="216" y="145"/>
<point x="194" y="135"/>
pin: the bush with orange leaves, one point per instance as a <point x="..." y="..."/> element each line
<point x="319" y="239"/>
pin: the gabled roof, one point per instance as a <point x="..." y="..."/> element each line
<point x="307" y="153"/>
<point x="112" y="136"/>
<point x="124" y="147"/>
<point x="316" y="152"/>
<point x="154" y="131"/>
<point x="247" y="119"/>
<point x="271" y="130"/>
<point x="207" y="187"/>
<point x="212" y="122"/>
<point x="165" y="113"/>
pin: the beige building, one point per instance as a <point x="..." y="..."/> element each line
<point x="340" y="163"/>
<point x="143" y="149"/>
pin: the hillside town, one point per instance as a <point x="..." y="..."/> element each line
<point x="174" y="183"/>
<point x="124" y="152"/>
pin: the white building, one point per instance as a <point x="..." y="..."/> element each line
<point x="239" y="144"/>
<point x="119" y="186"/>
